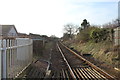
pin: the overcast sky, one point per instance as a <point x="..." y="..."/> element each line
<point x="47" y="17"/>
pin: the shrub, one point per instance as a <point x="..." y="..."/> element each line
<point x="99" y="34"/>
<point x="84" y="35"/>
<point x="94" y="33"/>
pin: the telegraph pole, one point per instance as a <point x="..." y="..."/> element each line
<point x="118" y="34"/>
<point x="118" y="14"/>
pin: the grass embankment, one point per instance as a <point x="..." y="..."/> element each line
<point x="102" y="51"/>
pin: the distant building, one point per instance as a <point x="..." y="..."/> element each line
<point x="23" y="35"/>
<point x="8" y="31"/>
<point x="36" y="37"/>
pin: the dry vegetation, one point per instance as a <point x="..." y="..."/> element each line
<point x="98" y="42"/>
<point x="103" y="51"/>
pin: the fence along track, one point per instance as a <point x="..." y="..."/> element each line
<point x="90" y="72"/>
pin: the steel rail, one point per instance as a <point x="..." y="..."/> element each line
<point x="71" y="71"/>
<point x="91" y="64"/>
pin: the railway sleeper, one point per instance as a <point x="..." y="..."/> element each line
<point x="88" y="74"/>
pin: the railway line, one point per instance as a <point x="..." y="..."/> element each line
<point x="80" y="68"/>
<point x="66" y="64"/>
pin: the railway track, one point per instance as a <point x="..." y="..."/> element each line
<point x="36" y="70"/>
<point x="69" y="65"/>
<point x="35" y="73"/>
<point x="79" y="68"/>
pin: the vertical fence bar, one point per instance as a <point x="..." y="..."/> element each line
<point x="7" y="56"/>
<point x="0" y="52"/>
<point x="4" y="60"/>
<point x="10" y="59"/>
<point x="0" y="60"/>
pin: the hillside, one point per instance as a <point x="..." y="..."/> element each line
<point x="103" y="51"/>
<point x="103" y="54"/>
<point x="97" y="45"/>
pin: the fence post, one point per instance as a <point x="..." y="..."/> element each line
<point x="0" y="61"/>
<point x="4" y="60"/>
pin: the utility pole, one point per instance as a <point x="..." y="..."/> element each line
<point x="118" y="14"/>
<point x="118" y="33"/>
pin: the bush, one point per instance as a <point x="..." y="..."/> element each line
<point x="99" y="34"/>
<point x="84" y="35"/>
<point x="94" y="33"/>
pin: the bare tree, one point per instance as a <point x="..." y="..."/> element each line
<point x="70" y="29"/>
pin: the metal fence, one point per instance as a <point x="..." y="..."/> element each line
<point x="15" y="55"/>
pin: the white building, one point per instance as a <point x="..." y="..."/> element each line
<point x="8" y="31"/>
<point x="15" y="52"/>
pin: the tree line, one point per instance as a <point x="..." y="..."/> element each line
<point x="86" y="32"/>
